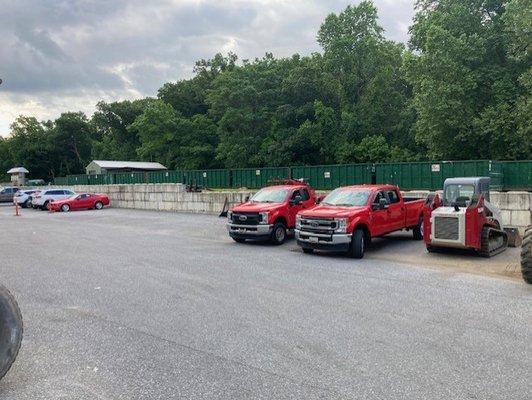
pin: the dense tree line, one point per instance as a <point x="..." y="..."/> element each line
<point x="461" y="90"/>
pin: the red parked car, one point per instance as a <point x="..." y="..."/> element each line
<point x="83" y="201"/>
<point x="350" y="216"/>
<point x="271" y="213"/>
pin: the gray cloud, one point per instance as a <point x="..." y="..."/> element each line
<point x="59" y="53"/>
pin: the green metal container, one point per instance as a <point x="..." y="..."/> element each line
<point x="517" y="175"/>
<point x="61" y="181"/>
<point x="209" y="178"/>
<point x="165" y="177"/>
<point x="431" y="175"/>
<point x="77" y="180"/>
<point x="254" y="178"/>
<point x="332" y="176"/>
<point x="130" y="178"/>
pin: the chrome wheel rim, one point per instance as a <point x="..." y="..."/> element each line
<point x="279" y="234"/>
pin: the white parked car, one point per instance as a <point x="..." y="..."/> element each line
<point x="42" y="199"/>
<point x="24" y="198"/>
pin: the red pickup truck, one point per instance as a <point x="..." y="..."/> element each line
<point x="271" y="213"/>
<point x="350" y="216"/>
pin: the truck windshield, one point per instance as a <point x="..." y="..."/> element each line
<point x="346" y="198"/>
<point x="459" y="194"/>
<point x="270" y="195"/>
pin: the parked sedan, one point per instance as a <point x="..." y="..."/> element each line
<point x="83" y="201"/>
<point x="24" y="198"/>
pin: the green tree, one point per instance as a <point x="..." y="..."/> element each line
<point x="30" y="145"/>
<point x="72" y="139"/>
<point x="110" y="122"/>
<point x="176" y="141"/>
<point x="375" y="93"/>
<point x="465" y="85"/>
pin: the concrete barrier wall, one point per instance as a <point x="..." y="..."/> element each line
<point x="516" y="207"/>
<point x="164" y="197"/>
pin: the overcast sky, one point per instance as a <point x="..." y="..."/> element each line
<point x="65" y="55"/>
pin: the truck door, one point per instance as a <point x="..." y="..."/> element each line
<point x="396" y="211"/>
<point x="379" y="222"/>
<point x="293" y="209"/>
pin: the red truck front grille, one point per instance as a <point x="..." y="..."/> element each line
<point x="318" y="225"/>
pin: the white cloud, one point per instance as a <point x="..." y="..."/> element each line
<point x="65" y="56"/>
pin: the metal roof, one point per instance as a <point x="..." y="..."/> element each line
<point x="128" y="164"/>
<point x="17" y="170"/>
<point x="467" y="180"/>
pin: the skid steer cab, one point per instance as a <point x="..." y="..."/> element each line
<point x="464" y="218"/>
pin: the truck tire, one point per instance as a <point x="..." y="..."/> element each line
<point x="417" y="232"/>
<point x="10" y="330"/>
<point x="278" y="236"/>
<point x="44" y="207"/>
<point x="526" y="256"/>
<point x="357" y="244"/>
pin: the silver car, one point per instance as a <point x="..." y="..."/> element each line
<point x="7" y="194"/>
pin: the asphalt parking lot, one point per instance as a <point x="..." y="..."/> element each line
<point x="124" y="304"/>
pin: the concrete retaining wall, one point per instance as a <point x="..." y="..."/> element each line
<point x="164" y="197"/>
<point x="516" y="207"/>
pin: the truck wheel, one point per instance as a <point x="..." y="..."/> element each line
<point x="357" y="244"/>
<point x="417" y="232"/>
<point x="10" y="330"/>
<point x="239" y="240"/>
<point x="278" y="233"/>
<point x="44" y="206"/>
<point x="526" y="256"/>
<point x="308" y="251"/>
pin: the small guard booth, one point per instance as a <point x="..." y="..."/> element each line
<point x="18" y="176"/>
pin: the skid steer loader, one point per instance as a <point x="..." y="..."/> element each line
<point x="10" y="330"/>
<point x="464" y="218"/>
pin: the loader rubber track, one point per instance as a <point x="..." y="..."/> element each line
<point x="488" y="244"/>
<point x="526" y="256"/>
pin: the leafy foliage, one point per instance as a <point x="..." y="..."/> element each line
<point x="461" y="91"/>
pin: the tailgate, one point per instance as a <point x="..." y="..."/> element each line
<point x="413" y="209"/>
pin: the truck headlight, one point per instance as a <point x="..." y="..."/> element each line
<point x="341" y="225"/>
<point x="230" y="215"/>
<point x="298" y="222"/>
<point x="263" y="218"/>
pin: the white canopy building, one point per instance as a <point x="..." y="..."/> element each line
<point x="105" y="167"/>
<point x="18" y="176"/>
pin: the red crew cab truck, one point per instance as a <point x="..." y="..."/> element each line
<point x="271" y="213"/>
<point x="350" y="216"/>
